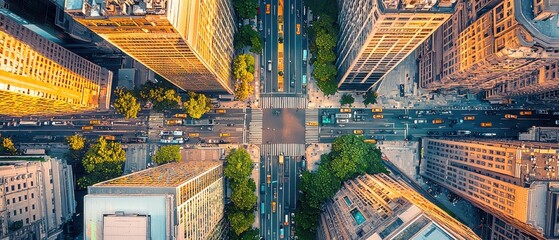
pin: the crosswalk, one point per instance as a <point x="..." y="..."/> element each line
<point x="284" y="102"/>
<point x="286" y="149"/>
<point x="255" y="127"/>
<point x="311" y="132"/>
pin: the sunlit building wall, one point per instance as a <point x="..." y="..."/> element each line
<point x="174" y="201"/>
<point x="381" y="207"/>
<point x="38" y="192"/>
<point x="188" y="42"/>
<point x="514" y="180"/>
<point x="39" y="77"/>
<point x="503" y="40"/>
<point x="376" y="35"/>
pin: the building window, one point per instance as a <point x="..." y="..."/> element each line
<point x="18" y="186"/>
<point x="32" y="195"/>
<point x="15" y="213"/>
<point x="33" y="217"/>
<point x="27" y="221"/>
<point x="19" y="199"/>
<point x="25" y="197"/>
<point x="26" y="209"/>
<point x="8" y="201"/>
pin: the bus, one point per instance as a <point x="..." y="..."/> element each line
<point x="29" y="123"/>
<point x="281" y="158"/>
<point x="343" y="115"/>
<point x="304" y="79"/>
<point x="262" y="211"/>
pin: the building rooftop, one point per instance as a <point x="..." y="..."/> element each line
<point x="417" y="5"/>
<point x="167" y="175"/>
<point x="108" y="8"/>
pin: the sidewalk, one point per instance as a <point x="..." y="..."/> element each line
<point x="313" y="153"/>
<point x="254" y="152"/>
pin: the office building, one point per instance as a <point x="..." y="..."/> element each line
<point x="190" y="42"/>
<point x="540" y="134"/>
<point x="376" y="35"/>
<point x="39" y="77"/>
<point x="174" y="201"/>
<point x="382" y="207"/>
<point x="514" y="180"/>
<point x="37" y="197"/>
<point x="506" y="48"/>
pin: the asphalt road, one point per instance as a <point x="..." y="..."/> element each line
<point x="282" y="126"/>
<point x="390" y="127"/>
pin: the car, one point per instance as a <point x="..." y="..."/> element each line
<point x="463" y="132"/>
<point x="511" y="116"/>
<point x="193" y="134"/>
<point x="469" y="118"/>
<point x="268" y="8"/>
<point x="486" y="124"/>
<point x="488" y="134"/>
<point x="378" y="116"/>
<point x="525" y="113"/>
<point x="446" y="112"/>
<point x="404" y="117"/>
<point x="438" y="121"/>
<point x="419" y="112"/>
<point x="342" y="120"/>
<point x="371" y="141"/>
<point x="358" y="132"/>
<point x="312" y="123"/>
<point x="378" y="137"/>
<point x="417" y="121"/>
<point x="358" y="111"/>
<point x="377" y="110"/>
<point x="269" y="65"/>
<point x="298" y="29"/>
<point x="225" y="135"/>
<point x="556" y="122"/>
<point x="260" y="25"/>
<point x="457" y="121"/>
<point x="432" y="133"/>
<point x="220" y="111"/>
<point x="345" y="110"/>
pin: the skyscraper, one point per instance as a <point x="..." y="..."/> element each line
<point x="190" y="42"/>
<point x="506" y="48"/>
<point x="175" y="201"/>
<point x="39" y="77"/>
<point x="37" y="197"/>
<point x="376" y="35"/>
<point x="381" y="207"/>
<point x="514" y="180"/>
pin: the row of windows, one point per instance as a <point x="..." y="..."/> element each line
<point x="20" y="199"/>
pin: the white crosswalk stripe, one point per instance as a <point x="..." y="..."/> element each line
<point x="255" y="127"/>
<point x="311" y="132"/>
<point x="284" y="102"/>
<point x="286" y="149"/>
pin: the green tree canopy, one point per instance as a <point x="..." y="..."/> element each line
<point x="242" y="194"/>
<point x="162" y="97"/>
<point x="247" y="36"/>
<point x="240" y="220"/>
<point x="252" y="234"/>
<point x="166" y="154"/>
<point x="370" y="97"/>
<point x="239" y="165"/>
<point x="76" y="142"/>
<point x="103" y="161"/>
<point x="347" y="99"/>
<point x="197" y="105"/>
<point x="243" y="90"/>
<point x="8" y="147"/>
<point x="328" y="87"/>
<point x="125" y="103"/>
<point x="324" y="71"/>
<point x="246" y="9"/>
<point x="320" y="186"/>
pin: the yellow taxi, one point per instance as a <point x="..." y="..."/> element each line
<point x="377" y="110"/>
<point x="358" y="132"/>
<point x="345" y="110"/>
<point x="109" y="137"/>
<point x="486" y="124"/>
<point x="94" y="122"/>
<point x="87" y="128"/>
<point x="371" y="141"/>
<point x="268" y="8"/>
<point x="312" y="123"/>
<point x="298" y="27"/>
<point x="438" y="121"/>
<point x="378" y="116"/>
<point x="193" y="134"/>
<point x="221" y="111"/>
<point x="469" y="118"/>
<point x="525" y="113"/>
<point x="274" y="206"/>
<point x="511" y="116"/>
<point x="180" y="115"/>
<point x="225" y="134"/>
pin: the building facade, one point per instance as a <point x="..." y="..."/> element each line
<point x="37" y="197"/>
<point x="376" y="35"/>
<point x="174" y="201"/>
<point x="507" y="48"/>
<point x="39" y="77"/>
<point x="381" y="207"/>
<point x="515" y="180"/>
<point x="190" y="43"/>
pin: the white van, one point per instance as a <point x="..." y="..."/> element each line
<point x="416" y="121"/>
<point x="269" y="65"/>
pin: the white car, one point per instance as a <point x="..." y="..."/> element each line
<point x="488" y="134"/>
<point x="417" y="121"/>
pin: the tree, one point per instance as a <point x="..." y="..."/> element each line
<point x="197" y="105"/>
<point x="370" y="97"/>
<point x="347" y="99"/>
<point x="247" y="36"/>
<point x="326" y="56"/>
<point x="328" y="87"/>
<point x="161" y="96"/>
<point x="320" y="186"/>
<point x="252" y="234"/>
<point x="240" y="220"/>
<point x="256" y="43"/>
<point x="167" y="154"/>
<point x="324" y="71"/>
<point x="246" y="9"/>
<point x="242" y="194"/>
<point x="239" y="165"/>
<point x="243" y="90"/>
<point x="76" y="142"/>
<point x="8" y="147"/>
<point x="125" y="103"/>
<point x="103" y="161"/>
